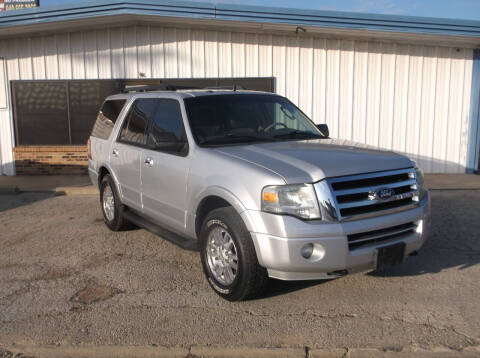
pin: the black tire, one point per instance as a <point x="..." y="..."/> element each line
<point x="250" y="279"/>
<point x="118" y="222"/>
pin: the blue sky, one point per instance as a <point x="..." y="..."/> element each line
<point x="456" y="9"/>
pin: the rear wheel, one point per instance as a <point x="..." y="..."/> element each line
<point x="112" y="208"/>
<point x="228" y="256"/>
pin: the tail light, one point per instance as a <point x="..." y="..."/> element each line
<point x="89" y="146"/>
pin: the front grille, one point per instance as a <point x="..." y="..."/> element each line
<point x="356" y="241"/>
<point x="373" y="194"/>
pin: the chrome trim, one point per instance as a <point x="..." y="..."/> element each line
<point x="412" y="182"/>
<point x="371" y="175"/>
<point x="380" y="212"/>
<point x="326" y="201"/>
<point x="374" y="188"/>
<point x="355" y="204"/>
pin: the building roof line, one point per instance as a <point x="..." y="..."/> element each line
<point x="253" y="14"/>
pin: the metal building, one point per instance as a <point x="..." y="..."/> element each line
<point x="408" y="84"/>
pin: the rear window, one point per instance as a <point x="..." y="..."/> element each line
<point x="106" y="118"/>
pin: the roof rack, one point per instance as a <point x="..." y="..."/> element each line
<point x="150" y="88"/>
<point x="233" y="87"/>
<point x="164" y="87"/>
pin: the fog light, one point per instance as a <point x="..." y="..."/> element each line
<point x="307" y="251"/>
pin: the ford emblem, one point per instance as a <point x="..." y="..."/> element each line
<point x="381" y="194"/>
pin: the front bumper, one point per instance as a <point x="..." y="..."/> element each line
<point x="279" y="239"/>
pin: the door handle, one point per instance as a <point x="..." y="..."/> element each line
<point x="149" y="162"/>
<point x="115" y="152"/>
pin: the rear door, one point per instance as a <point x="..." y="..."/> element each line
<point x="126" y="151"/>
<point x="165" y="166"/>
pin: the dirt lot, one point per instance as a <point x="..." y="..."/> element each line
<point x="65" y="279"/>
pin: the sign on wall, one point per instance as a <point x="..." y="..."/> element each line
<point x="6" y="5"/>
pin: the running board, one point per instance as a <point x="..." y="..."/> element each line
<point x="184" y="243"/>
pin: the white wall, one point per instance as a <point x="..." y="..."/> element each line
<point x="408" y="98"/>
<point x="6" y="155"/>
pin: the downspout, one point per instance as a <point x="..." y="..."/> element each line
<point x="474" y="122"/>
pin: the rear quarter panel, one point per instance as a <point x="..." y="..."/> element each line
<point x="101" y="148"/>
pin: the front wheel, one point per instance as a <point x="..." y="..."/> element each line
<point x="228" y="256"/>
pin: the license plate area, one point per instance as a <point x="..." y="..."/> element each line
<point x="390" y="256"/>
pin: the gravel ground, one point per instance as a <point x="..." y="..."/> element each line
<point x="65" y="279"/>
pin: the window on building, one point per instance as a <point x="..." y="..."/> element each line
<point x="58" y="112"/>
<point x="86" y="97"/>
<point x="167" y="132"/>
<point x="63" y="112"/>
<point x="40" y="111"/>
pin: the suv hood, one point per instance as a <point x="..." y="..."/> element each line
<point x="309" y="161"/>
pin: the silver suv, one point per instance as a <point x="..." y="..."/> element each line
<point x="252" y="183"/>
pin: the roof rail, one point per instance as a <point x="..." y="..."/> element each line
<point x="233" y="87"/>
<point x="149" y="88"/>
<point x="166" y="87"/>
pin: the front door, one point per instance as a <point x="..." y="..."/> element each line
<point x="165" y="164"/>
<point x="126" y="152"/>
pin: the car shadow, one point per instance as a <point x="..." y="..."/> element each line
<point x="454" y="242"/>
<point x="279" y="287"/>
<point x="454" y="238"/>
<point x="9" y="201"/>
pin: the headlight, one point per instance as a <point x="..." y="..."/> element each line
<point x="298" y="200"/>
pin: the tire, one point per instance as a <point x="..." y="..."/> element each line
<point x="249" y="278"/>
<point x="115" y="222"/>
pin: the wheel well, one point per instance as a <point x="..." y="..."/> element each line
<point x="101" y="173"/>
<point x="208" y="204"/>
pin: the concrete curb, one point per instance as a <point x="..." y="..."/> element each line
<point x="240" y="352"/>
<point x="98" y="351"/>
<point x="86" y="190"/>
<point x="62" y="184"/>
<point x="230" y="352"/>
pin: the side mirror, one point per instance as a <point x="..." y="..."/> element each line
<point x="324" y="129"/>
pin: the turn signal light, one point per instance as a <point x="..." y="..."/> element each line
<point x="271" y="197"/>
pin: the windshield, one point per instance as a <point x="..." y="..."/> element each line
<point x="243" y="118"/>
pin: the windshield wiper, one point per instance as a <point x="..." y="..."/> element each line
<point x="298" y="134"/>
<point x="233" y="138"/>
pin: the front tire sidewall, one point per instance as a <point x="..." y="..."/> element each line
<point x="226" y="291"/>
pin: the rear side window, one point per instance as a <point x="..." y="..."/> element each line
<point x="134" y="127"/>
<point x="167" y="133"/>
<point x="106" y="118"/>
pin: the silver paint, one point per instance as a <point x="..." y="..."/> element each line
<point x="169" y="190"/>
